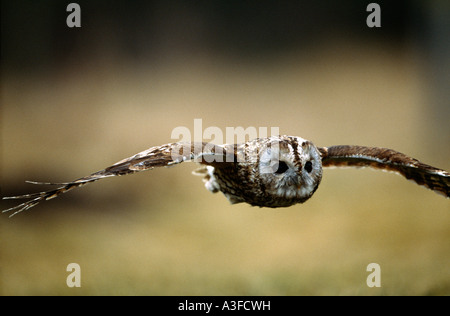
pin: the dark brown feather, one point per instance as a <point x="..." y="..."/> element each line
<point x="159" y="156"/>
<point x="432" y="178"/>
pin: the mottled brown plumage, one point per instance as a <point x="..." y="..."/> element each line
<point x="276" y="171"/>
<point x="389" y="160"/>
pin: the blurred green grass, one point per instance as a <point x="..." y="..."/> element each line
<point x="162" y="233"/>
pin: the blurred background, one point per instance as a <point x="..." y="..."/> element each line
<point x="76" y="100"/>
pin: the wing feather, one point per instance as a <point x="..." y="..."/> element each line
<point x="435" y="179"/>
<point x="159" y="156"/>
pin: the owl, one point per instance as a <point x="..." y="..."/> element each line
<point x="277" y="171"/>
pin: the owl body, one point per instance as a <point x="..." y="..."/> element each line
<point x="278" y="171"/>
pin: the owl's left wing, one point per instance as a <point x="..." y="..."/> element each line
<point x="159" y="156"/>
<point x="389" y="160"/>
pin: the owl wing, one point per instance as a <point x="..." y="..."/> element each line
<point x="159" y="156"/>
<point x="388" y="160"/>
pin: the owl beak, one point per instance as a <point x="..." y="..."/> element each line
<point x="298" y="183"/>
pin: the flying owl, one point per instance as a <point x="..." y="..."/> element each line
<point x="277" y="171"/>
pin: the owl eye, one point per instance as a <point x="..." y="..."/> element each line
<point x="282" y="168"/>
<point x="308" y="166"/>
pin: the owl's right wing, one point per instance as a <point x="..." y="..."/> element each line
<point x="159" y="156"/>
<point x="435" y="179"/>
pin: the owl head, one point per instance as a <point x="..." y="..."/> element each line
<point x="290" y="169"/>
